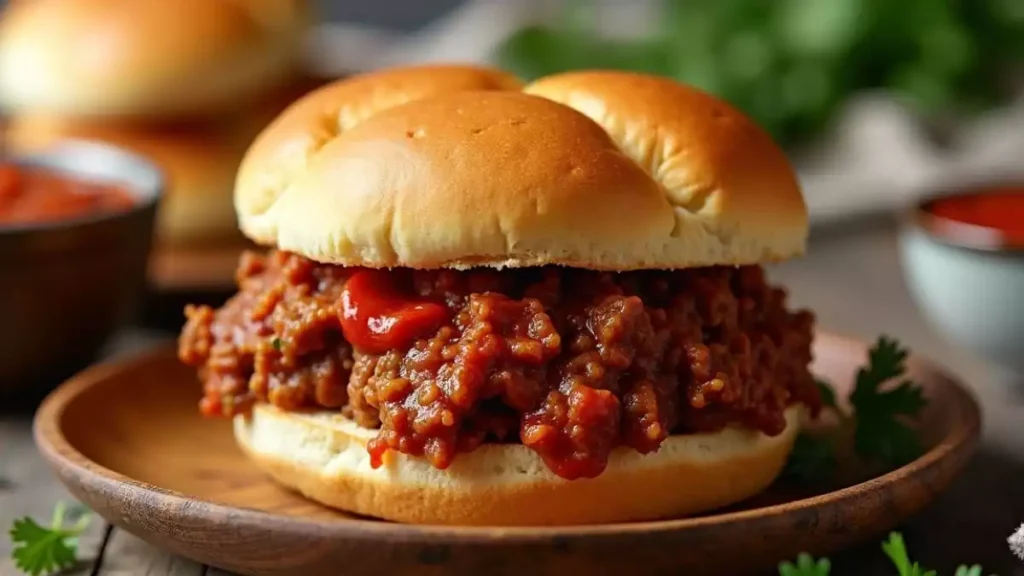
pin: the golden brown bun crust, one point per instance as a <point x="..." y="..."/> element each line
<point x="604" y="170"/>
<point x="324" y="457"/>
<point x="711" y="161"/>
<point x="144" y="58"/>
<point x="281" y="151"/>
<point x="199" y="165"/>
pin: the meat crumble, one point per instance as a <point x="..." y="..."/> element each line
<point x="568" y="362"/>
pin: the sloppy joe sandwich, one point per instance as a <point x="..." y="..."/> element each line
<point x="156" y="58"/>
<point x="489" y="303"/>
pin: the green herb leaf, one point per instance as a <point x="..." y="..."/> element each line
<point x="806" y="565"/>
<point x="886" y="440"/>
<point x="896" y="550"/>
<point x="791" y="64"/>
<point x="276" y="343"/>
<point x="880" y="434"/>
<point x="812" y="459"/>
<point x="41" y="550"/>
<point x="827" y="393"/>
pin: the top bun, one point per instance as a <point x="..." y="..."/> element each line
<point x="460" y="166"/>
<point x="145" y="58"/>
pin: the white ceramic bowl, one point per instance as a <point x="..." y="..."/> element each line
<point x="969" y="282"/>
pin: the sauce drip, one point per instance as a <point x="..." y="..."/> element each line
<point x="377" y="316"/>
<point x="1000" y="210"/>
<point x="29" y="195"/>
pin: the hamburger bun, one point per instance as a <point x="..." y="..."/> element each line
<point x="281" y="151"/>
<point x="199" y="164"/>
<point x="324" y="457"/>
<point x="135" y="58"/>
<point x="457" y="167"/>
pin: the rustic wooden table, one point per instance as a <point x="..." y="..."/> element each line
<point x="851" y="278"/>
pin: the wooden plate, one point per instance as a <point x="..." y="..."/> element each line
<point x="126" y="439"/>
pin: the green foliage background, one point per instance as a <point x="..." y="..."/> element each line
<point x="791" y="63"/>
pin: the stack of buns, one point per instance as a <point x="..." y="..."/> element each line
<point x="186" y="83"/>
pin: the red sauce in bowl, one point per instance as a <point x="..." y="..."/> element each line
<point x="990" y="218"/>
<point x="35" y="195"/>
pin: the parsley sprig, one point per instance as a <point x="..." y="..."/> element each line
<point x="895" y="548"/>
<point x="42" y="550"/>
<point x="876" y="420"/>
<point x="806" y="565"/>
<point x="880" y="433"/>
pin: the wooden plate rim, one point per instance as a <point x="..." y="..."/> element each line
<point x="94" y="477"/>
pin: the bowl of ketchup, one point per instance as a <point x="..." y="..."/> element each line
<point x="75" y="228"/>
<point x="963" y="254"/>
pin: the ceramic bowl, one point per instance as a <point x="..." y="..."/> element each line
<point x="68" y="285"/>
<point x="968" y="280"/>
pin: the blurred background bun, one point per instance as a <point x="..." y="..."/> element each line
<point x="146" y="58"/>
<point x="186" y="83"/>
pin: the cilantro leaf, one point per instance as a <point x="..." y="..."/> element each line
<point x="812" y="459"/>
<point x="880" y="435"/>
<point x="806" y="565"/>
<point x="907" y="399"/>
<point x="885" y="362"/>
<point x="896" y="550"/>
<point x="40" y="550"/>
<point x="828" y="395"/>
<point x="886" y="440"/>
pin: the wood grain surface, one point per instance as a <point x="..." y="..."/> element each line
<point x="29" y="489"/>
<point x="127" y="555"/>
<point x="851" y="278"/>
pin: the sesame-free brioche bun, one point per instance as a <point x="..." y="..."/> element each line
<point x="199" y="164"/>
<point x="461" y="166"/>
<point x="323" y="456"/>
<point x="145" y="58"/>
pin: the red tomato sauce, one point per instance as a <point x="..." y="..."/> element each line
<point x="31" y="195"/>
<point x="999" y="210"/>
<point x="569" y="363"/>
<point x="376" y="316"/>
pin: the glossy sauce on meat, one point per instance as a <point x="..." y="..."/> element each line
<point x="569" y="362"/>
<point x="376" y="316"/>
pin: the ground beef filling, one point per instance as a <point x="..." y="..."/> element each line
<point x="569" y="362"/>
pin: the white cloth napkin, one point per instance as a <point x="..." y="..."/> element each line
<point x="875" y="158"/>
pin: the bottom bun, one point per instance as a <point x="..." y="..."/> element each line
<point x="323" y="456"/>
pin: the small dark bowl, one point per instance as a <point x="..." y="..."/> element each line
<point x="67" y="286"/>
